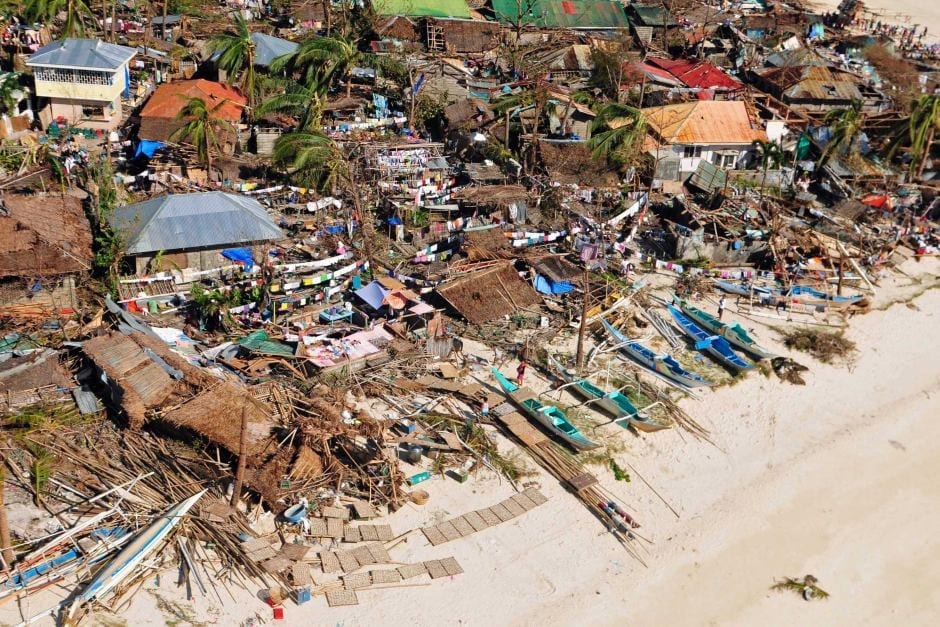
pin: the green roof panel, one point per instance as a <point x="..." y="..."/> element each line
<point x="423" y="8"/>
<point x="575" y="14"/>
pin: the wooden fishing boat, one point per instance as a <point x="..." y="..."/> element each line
<point x="734" y="332"/>
<point x="616" y="404"/>
<point x="715" y="345"/>
<point x="663" y="365"/>
<point x="739" y="289"/>
<point x="549" y="416"/>
<point x="812" y="296"/>
<point x="127" y="561"/>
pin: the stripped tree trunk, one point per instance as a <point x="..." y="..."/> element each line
<point x="242" y="460"/>
<point x="6" y="546"/>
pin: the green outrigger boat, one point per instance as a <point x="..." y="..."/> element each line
<point x="616" y="404"/>
<point x="549" y="416"/>
<point x="733" y="333"/>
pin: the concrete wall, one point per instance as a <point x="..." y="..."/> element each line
<point x="208" y="259"/>
<point x="71" y="110"/>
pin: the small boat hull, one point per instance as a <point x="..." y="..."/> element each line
<point x="713" y="345"/>
<point x="663" y="365"/>
<point x="127" y="561"/>
<point x="548" y="416"/>
<point x="733" y="333"/>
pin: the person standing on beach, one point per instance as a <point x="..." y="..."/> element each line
<point x="520" y="372"/>
<point x="721" y="307"/>
<point x="485" y="409"/>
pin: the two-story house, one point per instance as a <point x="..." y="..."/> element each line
<point x="84" y="80"/>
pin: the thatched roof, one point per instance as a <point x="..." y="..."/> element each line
<point x="140" y="382"/>
<point x="43" y="235"/>
<point x="489" y="294"/>
<point x="558" y="269"/>
<point x="216" y="415"/>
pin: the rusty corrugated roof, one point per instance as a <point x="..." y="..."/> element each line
<point x="703" y="122"/>
<point x="170" y="98"/>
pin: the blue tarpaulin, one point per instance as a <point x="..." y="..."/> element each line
<point x="544" y="286"/>
<point x="240" y="255"/>
<point x="373" y="294"/>
<point x="148" y="147"/>
<point x="394" y="220"/>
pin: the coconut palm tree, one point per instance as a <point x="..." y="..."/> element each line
<point x="237" y="58"/>
<point x="917" y="132"/>
<point x="617" y="132"/>
<point x="845" y="123"/>
<point x="311" y="158"/>
<point x="203" y="129"/>
<point x="299" y="101"/>
<point x="318" y="61"/>
<point x="78" y="15"/>
<point x="769" y="155"/>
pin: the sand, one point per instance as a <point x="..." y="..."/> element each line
<point x="836" y="478"/>
<point x="900" y="12"/>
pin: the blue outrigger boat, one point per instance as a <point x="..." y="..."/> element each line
<point x="734" y="332"/>
<point x="549" y="416"/>
<point x="715" y="345"/>
<point x="616" y="404"/>
<point x="663" y="365"/>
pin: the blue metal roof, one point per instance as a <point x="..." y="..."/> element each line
<point x="192" y="221"/>
<point x="268" y="48"/>
<point x="89" y="54"/>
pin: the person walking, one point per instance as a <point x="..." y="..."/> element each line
<point x="721" y="307"/>
<point x="520" y="372"/>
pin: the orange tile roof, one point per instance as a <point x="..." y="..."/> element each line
<point x="703" y="122"/>
<point x="169" y="98"/>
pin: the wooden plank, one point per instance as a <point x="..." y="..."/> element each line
<point x="385" y="576"/>
<point x="582" y="481"/>
<point x="451" y="566"/>
<point x="501" y="512"/>
<point x="514" y="508"/>
<point x="409" y="571"/>
<point x="329" y="562"/>
<point x="436" y="569"/>
<point x="462" y="526"/>
<point x="357" y="581"/>
<point x="524" y="501"/>
<point x="347" y="561"/>
<point x="476" y="521"/>
<point x="450" y="532"/>
<point x="338" y="598"/>
<point x="535" y="496"/>
<point x="434" y="535"/>
<point x="352" y="534"/>
<point x="384" y="532"/>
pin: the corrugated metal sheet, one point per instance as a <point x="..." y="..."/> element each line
<point x="719" y="122"/>
<point x="576" y="14"/>
<point x="193" y="221"/>
<point x="812" y="82"/>
<point x="268" y="48"/>
<point x="92" y="54"/>
<point x="86" y="400"/>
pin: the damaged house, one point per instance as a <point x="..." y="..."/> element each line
<point x="489" y="294"/>
<point x="191" y="231"/>
<point x="682" y="135"/>
<point x="45" y="247"/>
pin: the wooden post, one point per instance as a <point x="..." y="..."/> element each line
<point x="242" y="460"/>
<point x="6" y="545"/>
<point x="841" y="274"/>
<point x="583" y="326"/>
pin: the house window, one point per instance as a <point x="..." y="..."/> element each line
<point x="725" y="159"/>
<point x="691" y="152"/>
<point x="92" y="112"/>
<point x="81" y="77"/>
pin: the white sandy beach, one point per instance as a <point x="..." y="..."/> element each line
<point x="836" y="478"/>
<point x="900" y="12"/>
